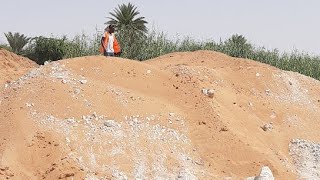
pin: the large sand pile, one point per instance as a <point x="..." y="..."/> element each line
<point x="13" y="66"/>
<point x="111" y="118"/>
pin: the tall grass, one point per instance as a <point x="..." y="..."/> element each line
<point x="155" y="44"/>
<point x="82" y="45"/>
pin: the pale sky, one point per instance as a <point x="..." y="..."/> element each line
<point x="282" y="24"/>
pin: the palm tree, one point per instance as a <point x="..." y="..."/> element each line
<point x="125" y="18"/>
<point x="16" y="41"/>
<point x="238" y="46"/>
<point x="130" y="27"/>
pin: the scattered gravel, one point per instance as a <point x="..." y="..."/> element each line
<point x="306" y="157"/>
<point x="138" y="140"/>
<point x="294" y="91"/>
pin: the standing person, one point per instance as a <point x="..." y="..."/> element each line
<point x="109" y="43"/>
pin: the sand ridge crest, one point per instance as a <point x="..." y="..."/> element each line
<point x="96" y="117"/>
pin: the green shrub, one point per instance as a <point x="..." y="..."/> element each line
<point x="6" y="47"/>
<point x="156" y="44"/>
<point x="44" y="49"/>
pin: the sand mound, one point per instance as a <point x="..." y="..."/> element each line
<point x="200" y="115"/>
<point x="13" y="66"/>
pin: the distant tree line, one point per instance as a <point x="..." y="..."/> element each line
<point x="139" y="43"/>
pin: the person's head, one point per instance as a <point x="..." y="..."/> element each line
<point x="110" y="29"/>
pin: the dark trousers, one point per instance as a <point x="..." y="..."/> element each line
<point x="108" y="54"/>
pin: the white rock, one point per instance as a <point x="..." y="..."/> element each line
<point x="267" y="127"/>
<point x="171" y="114"/>
<point x="29" y="104"/>
<point x="135" y="120"/>
<point x="77" y="91"/>
<point x="265" y="174"/>
<point x="70" y="120"/>
<point x="68" y="140"/>
<point x="257" y="74"/>
<point x="148" y="71"/>
<point x="208" y="92"/>
<point x="64" y="81"/>
<point x="110" y="123"/>
<point x="204" y="91"/>
<point x="83" y="81"/>
<point x="268" y="91"/>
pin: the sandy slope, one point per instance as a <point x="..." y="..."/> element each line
<point x="13" y="66"/>
<point x="97" y="117"/>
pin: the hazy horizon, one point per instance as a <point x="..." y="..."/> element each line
<point x="285" y="25"/>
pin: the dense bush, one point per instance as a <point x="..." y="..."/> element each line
<point x="43" y="49"/>
<point x="155" y="44"/>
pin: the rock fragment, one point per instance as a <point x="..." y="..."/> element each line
<point x="208" y="92"/>
<point x="267" y="127"/>
<point x="265" y="174"/>
<point x="83" y="81"/>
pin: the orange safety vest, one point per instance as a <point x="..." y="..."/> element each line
<point x="104" y="44"/>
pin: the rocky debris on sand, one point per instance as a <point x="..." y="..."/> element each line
<point x="306" y="157"/>
<point x="64" y="81"/>
<point x="5" y="171"/>
<point x="110" y="123"/>
<point x="83" y="81"/>
<point x="120" y="95"/>
<point x="71" y="120"/>
<point x="268" y="92"/>
<point x="66" y="175"/>
<point x="295" y="92"/>
<point x="208" y="92"/>
<point x="29" y="104"/>
<point x="119" y="175"/>
<point x="184" y="174"/>
<point x="265" y="174"/>
<point x="267" y="127"/>
<point x="135" y="134"/>
<point x="77" y="91"/>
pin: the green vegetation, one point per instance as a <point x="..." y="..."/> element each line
<point x="16" y="41"/>
<point x="140" y="44"/>
<point x="43" y="49"/>
<point x="130" y="27"/>
<point x="125" y="18"/>
<point x="6" y="47"/>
